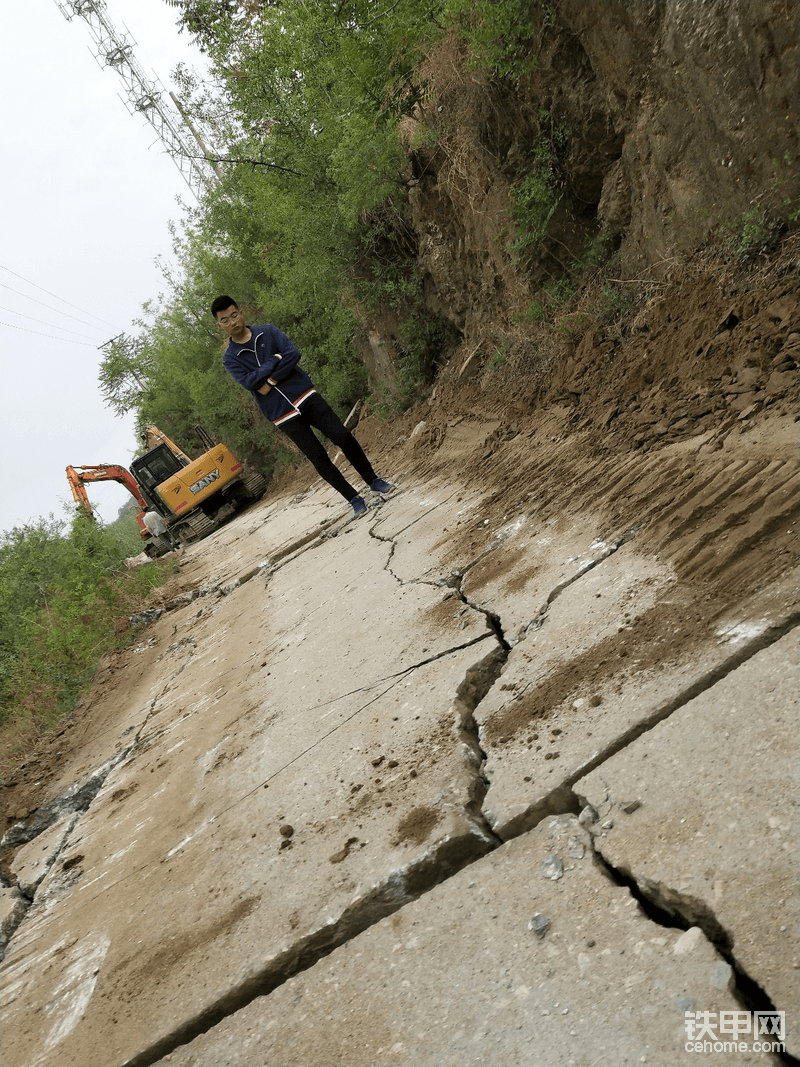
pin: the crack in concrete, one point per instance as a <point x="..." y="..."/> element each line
<point x="477" y="682"/>
<point x="403" y="886"/>
<point x="610" y="548"/>
<point x="671" y="909"/>
<point x="662" y="904"/>
<point x="552" y="804"/>
<point x="75" y="799"/>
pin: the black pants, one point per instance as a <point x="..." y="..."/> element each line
<point x="318" y="413"/>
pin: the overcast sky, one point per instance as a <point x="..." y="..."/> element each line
<point x="87" y="194"/>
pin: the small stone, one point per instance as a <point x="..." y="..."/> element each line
<point x="607" y="825"/>
<point x="539" y="924"/>
<point x="286" y="830"/>
<point x="575" y="849"/>
<point x="552" y="868"/>
<point x="590" y="942"/>
<point x="378" y="761"/>
<point x="688" y="941"/>
<point x="721" y="976"/>
<point x="579" y="703"/>
<point x="412" y="773"/>
<point x="596" y="700"/>
<point x="684" y="1003"/>
<point x="588" y="816"/>
<point x="630" y="806"/>
<point x="392" y="763"/>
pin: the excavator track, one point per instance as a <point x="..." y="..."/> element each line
<point x="194" y="528"/>
<point x="255" y="484"/>
<point x="158" y="546"/>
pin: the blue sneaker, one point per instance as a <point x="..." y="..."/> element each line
<point x="359" y="507"/>
<point x="380" y="486"/>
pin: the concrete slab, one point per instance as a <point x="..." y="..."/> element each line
<point x="310" y="792"/>
<point x="535" y="562"/>
<point x="531" y="956"/>
<point x="32" y="862"/>
<point x="268" y="530"/>
<point x="426" y="526"/>
<point x="598" y="673"/>
<point x="726" y="855"/>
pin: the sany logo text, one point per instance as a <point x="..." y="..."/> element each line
<point x="209" y="478"/>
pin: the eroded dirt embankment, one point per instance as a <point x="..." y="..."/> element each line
<point x="493" y="765"/>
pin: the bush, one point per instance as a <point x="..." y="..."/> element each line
<point x="60" y="596"/>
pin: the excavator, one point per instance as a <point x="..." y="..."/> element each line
<point x="180" y="500"/>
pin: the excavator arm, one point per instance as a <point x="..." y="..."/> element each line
<point x="106" y="472"/>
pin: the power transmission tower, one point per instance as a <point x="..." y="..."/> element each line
<point x="144" y="95"/>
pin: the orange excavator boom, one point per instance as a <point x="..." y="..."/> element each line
<point x="105" y="472"/>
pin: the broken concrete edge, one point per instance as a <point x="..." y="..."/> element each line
<point x="668" y="907"/>
<point x="561" y="799"/>
<point x="282" y="557"/>
<point x="28" y="885"/>
<point x="143" y="618"/>
<point x="404" y="885"/>
<point x="304" y="542"/>
<point x="19" y="890"/>
<point x="14" y="908"/>
<point x="75" y="799"/>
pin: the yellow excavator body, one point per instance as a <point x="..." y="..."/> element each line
<point x="201" y="479"/>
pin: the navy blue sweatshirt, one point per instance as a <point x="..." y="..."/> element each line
<point x="269" y="356"/>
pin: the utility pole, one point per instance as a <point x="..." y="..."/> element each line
<point x="144" y="95"/>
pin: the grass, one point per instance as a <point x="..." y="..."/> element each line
<point x="69" y="636"/>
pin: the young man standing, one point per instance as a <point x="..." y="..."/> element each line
<point x="264" y="361"/>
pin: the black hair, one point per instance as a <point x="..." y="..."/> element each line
<point x="222" y="303"/>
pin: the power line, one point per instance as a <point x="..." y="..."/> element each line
<point x="55" y="296"/>
<point x="67" y="340"/>
<point x="91" y="325"/>
<point x="54" y="325"/>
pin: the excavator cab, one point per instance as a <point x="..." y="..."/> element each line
<point x="155" y="467"/>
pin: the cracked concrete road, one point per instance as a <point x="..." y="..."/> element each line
<point x="337" y="819"/>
